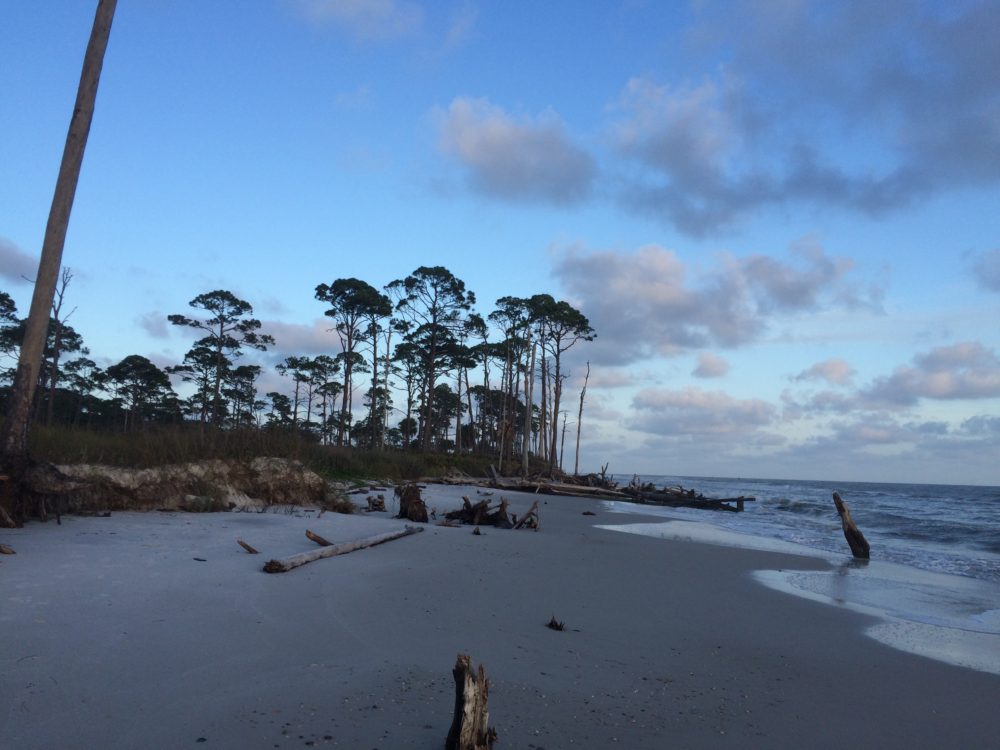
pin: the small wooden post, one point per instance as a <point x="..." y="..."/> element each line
<point x="859" y="545"/>
<point x="470" y="728"/>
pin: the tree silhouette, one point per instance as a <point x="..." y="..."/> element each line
<point x="228" y="330"/>
<point x="434" y="301"/>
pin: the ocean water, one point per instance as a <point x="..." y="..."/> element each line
<point x="938" y="528"/>
<point x="933" y="580"/>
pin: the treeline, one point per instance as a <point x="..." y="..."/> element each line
<point x="431" y="373"/>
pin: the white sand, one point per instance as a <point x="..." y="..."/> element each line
<point x="115" y="636"/>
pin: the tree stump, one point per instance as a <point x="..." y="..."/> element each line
<point x="411" y="506"/>
<point x="470" y="728"/>
<point x="855" y="539"/>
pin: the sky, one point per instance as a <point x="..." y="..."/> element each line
<point x="782" y="218"/>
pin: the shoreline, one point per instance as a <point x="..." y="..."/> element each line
<point x="116" y="636"/>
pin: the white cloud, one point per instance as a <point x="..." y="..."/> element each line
<point x="298" y="339"/>
<point x="693" y="411"/>
<point x="15" y="265"/>
<point x="710" y="366"/>
<point x="155" y="324"/>
<point x="647" y="303"/>
<point x="834" y="371"/>
<point x="967" y="370"/>
<point x="519" y="159"/>
<point x="801" y="81"/>
<point x="366" y="19"/>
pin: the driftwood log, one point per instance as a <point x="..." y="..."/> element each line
<point x="247" y="547"/>
<point x="855" y="539"/>
<point x="470" y="728"/>
<point x="284" y="564"/>
<point x="411" y="506"/>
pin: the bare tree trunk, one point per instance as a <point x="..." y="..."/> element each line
<point x="60" y="293"/>
<point x="579" y="421"/>
<point x="529" y="384"/>
<point x="562" y="443"/>
<point x="14" y="432"/>
<point x="543" y="413"/>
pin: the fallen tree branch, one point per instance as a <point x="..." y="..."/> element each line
<point x="284" y="564"/>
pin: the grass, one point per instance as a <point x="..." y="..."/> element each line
<point x="173" y="445"/>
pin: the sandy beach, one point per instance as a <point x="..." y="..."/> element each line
<point x="156" y="630"/>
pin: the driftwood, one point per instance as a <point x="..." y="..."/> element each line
<point x="247" y="547"/>
<point x="530" y="519"/>
<point x="555" y="624"/>
<point x="5" y="550"/>
<point x="376" y="504"/>
<point x="481" y="514"/>
<point x="678" y="497"/>
<point x="470" y="728"/>
<point x="318" y="539"/>
<point x="542" y="485"/>
<point x="855" y="539"/>
<point x="411" y="506"/>
<point x="285" y="564"/>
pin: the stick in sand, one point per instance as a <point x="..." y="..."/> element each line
<point x="318" y="539"/>
<point x="856" y="540"/>
<point x="247" y="547"/>
<point x="285" y="564"/>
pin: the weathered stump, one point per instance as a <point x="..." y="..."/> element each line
<point x="411" y="506"/>
<point x="855" y="539"/>
<point x="470" y="728"/>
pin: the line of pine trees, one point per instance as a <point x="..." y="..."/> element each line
<point x="431" y="373"/>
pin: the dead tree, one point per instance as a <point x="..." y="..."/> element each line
<point x="855" y="539"/>
<point x="470" y="728"/>
<point x="14" y="432"/>
<point x="579" y="421"/>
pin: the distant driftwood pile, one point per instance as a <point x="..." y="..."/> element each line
<point x="600" y="486"/>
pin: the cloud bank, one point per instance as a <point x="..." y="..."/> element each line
<point x="514" y="158"/>
<point x="650" y="303"/>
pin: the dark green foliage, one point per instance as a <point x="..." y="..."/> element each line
<point x="228" y="329"/>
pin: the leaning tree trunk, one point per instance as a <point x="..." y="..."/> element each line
<point x="14" y="432"/>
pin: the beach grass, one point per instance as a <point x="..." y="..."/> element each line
<point x="182" y="444"/>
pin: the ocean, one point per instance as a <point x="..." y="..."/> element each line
<point x="939" y="528"/>
<point x="934" y="575"/>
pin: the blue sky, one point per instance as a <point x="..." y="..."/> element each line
<point x="780" y="217"/>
